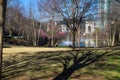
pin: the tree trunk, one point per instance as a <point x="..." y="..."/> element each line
<point x="119" y="39"/>
<point x="65" y="74"/>
<point x="35" y="40"/>
<point x="78" y="38"/>
<point x="108" y="42"/>
<point x="109" y="39"/>
<point x="2" y="22"/>
<point x="74" y="38"/>
<point x="0" y="30"/>
<point x="10" y="32"/>
<point x="52" y="40"/>
<point x="96" y="41"/>
<point x="34" y="35"/>
<point x="28" y="36"/>
<point x="113" y="39"/>
<point x="0" y="47"/>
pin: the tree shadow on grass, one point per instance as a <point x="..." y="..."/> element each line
<point x="45" y="61"/>
<point x="6" y="46"/>
<point x="18" y="64"/>
<point x="75" y="60"/>
<point x="23" y="62"/>
<point x="110" y="62"/>
<point x="109" y="65"/>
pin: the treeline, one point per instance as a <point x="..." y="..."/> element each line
<point x="22" y="30"/>
<point x="32" y="31"/>
<point x="113" y="27"/>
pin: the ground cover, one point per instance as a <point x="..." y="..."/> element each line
<point x="34" y="63"/>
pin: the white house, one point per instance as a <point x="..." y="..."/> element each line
<point x="63" y="28"/>
<point x="89" y="27"/>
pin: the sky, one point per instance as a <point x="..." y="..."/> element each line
<point x="27" y="4"/>
<point x="24" y="6"/>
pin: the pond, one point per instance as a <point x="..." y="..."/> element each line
<point x="84" y="42"/>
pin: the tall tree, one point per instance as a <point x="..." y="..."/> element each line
<point x="33" y="25"/>
<point x="13" y="20"/>
<point x="73" y="12"/>
<point x="113" y="28"/>
<point x="2" y="22"/>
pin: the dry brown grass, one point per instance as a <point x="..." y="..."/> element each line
<point x="26" y="63"/>
<point x="19" y="49"/>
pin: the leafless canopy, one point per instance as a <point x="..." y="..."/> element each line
<point x="72" y="11"/>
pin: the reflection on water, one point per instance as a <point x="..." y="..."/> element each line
<point x="89" y="43"/>
<point x="65" y="43"/>
<point x="84" y="42"/>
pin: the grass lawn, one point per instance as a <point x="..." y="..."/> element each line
<point x="34" y="63"/>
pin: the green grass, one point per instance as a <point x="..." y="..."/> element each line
<point x="39" y="65"/>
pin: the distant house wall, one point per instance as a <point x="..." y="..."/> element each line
<point x="89" y="27"/>
<point x="63" y="28"/>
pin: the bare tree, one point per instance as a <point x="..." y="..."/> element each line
<point x="73" y="12"/>
<point x="25" y="28"/>
<point x="33" y="27"/>
<point x="3" y="4"/>
<point x="96" y="34"/>
<point x="113" y="28"/>
<point x="13" y="20"/>
<point x="49" y="13"/>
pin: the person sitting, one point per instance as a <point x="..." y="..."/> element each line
<point x="56" y="44"/>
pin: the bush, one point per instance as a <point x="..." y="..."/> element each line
<point x="13" y="41"/>
<point x="23" y="42"/>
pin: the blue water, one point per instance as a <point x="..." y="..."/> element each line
<point x="83" y="43"/>
<point x="69" y="43"/>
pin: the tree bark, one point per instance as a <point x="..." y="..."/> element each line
<point x="78" y="37"/>
<point x="109" y="39"/>
<point x="113" y="39"/>
<point x="2" y="22"/>
<point x="10" y="32"/>
<point x="65" y="74"/>
<point x="119" y="39"/>
<point x="96" y="41"/>
<point x="0" y="46"/>
<point x="74" y="38"/>
<point x="0" y="30"/>
<point x="108" y="42"/>
<point x="34" y="35"/>
<point x="52" y="40"/>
